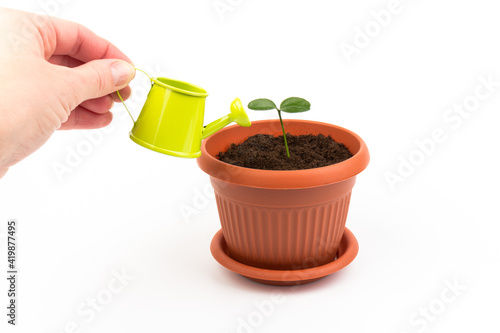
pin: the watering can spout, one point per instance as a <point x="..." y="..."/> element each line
<point x="238" y="115"/>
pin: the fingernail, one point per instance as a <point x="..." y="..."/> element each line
<point x="122" y="72"/>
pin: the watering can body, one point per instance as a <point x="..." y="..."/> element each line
<point x="171" y="120"/>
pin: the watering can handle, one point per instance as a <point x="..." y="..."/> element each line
<point x="121" y="99"/>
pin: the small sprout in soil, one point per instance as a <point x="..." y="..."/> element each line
<point x="290" y="105"/>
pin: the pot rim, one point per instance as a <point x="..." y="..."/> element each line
<point x="284" y="179"/>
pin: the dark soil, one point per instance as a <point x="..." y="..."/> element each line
<point x="263" y="151"/>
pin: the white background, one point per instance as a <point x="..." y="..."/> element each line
<point x="120" y="207"/>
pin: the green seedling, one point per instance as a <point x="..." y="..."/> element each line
<point x="290" y="105"/>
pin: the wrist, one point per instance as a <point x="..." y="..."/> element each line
<point x="3" y="172"/>
<point x="5" y="151"/>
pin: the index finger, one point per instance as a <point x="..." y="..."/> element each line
<point x="75" y="40"/>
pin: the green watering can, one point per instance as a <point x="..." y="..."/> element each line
<point x="171" y="120"/>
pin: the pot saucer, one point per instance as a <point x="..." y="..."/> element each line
<point x="348" y="250"/>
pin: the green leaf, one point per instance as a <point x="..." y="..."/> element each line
<point x="295" y="104"/>
<point x="262" y="104"/>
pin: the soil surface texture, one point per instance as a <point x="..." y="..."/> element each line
<point x="264" y="151"/>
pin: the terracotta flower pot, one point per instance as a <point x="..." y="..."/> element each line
<point x="283" y="220"/>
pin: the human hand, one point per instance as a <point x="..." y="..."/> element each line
<point x="54" y="74"/>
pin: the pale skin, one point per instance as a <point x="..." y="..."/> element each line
<point x="54" y="75"/>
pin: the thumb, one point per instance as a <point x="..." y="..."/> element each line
<point x="101" y="77"/>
